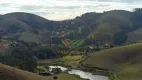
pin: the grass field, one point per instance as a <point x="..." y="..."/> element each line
<point x="71" y="58"/>
<point x="73" y="43"/>
<point x="126" y="61"/>
<point x="65" y="76"/>
<point x="72" y="61"/>
<point x="73" y="64"/>
<point x="49" y="62"/>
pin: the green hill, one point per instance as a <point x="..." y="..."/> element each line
<point x="14" y="26"/>
<point x="135" y="36"/>
<point x="11" y="73"/>
<point x="111" y="27"/>
<point x="126" y="61"/>
<point x="111" y="23"/>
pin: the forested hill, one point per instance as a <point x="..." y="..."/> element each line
<point x="111" y="27"/>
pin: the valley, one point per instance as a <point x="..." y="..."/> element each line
<point x="99" y="46"/>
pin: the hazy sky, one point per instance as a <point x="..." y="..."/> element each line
<point x="65" y="9"/>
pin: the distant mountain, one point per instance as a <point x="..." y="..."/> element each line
<point x="112" y="27"/>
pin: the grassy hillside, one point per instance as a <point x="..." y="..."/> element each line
<point x="29" y="37"/>
<point x="65" y="76"/>
<point x="135" y="36"/>
<point x="111" y="23"/>
<point x="10" y="73"/>
<point x="126" y="61"/>
<point x="118" y="14"/>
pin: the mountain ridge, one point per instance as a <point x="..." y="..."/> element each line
<point x="110" y="27"/>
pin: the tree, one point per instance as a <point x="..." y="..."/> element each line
<point x="56" y="70"/>
<point x="55" y="77"/>
<point x="137" y="9"/>
<point x="137" y="18"/>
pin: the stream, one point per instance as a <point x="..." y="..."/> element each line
<point x="82" y="74"/>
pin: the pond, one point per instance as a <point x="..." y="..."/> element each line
<point x="82" y="74"/>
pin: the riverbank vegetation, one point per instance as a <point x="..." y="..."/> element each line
<point x="65" y="76"/>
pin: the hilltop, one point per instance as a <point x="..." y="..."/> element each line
<point x="126" y="61"/>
